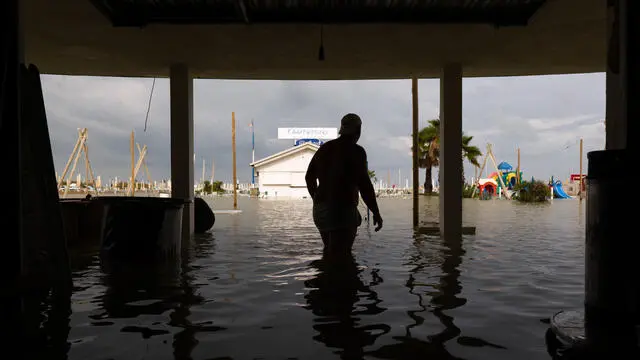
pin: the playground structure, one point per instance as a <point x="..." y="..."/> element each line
<point x="80" y="148"/>
<point x="557" y="189"/>
<point x="132" y="185"/>
<point x="487" y="188"/>
<point x="91" y="183"/>
<point x="502" y="181"/>
<point x="506" y="177"/>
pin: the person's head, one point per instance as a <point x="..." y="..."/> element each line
<point x="350" y="127"/>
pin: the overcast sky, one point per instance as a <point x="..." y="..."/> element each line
<point x="544" y="116"/>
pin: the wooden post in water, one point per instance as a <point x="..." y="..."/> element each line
<point x="414" y="152"/>
<point x="204" y="166"/>
<point x="212" y="170"/>
<point x="233" y="151"/>
<point x="580" y="195"/>
<point x="144" y="163"/>
<point x="518" y="169"/>
<point x="90" y="175"/>
<point x="86" y="167"/>
<point x="133" y="165"/>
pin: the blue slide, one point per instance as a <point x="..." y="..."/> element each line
<point x="558" y="191"/>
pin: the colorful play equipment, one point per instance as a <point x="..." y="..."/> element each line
<point x="494" y="186"/>
<point x="509" y="176"/>
<point x="558" y="191"/>
<point x="502" y="181"/>
<point x="487" y="188"/>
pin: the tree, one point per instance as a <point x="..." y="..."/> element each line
<point x="216" y="186"/>
<point x="206" y="187"/>
<point x="372" y="175"/>
<point x="429" y="151"/>
<point x="532" y="191"/>
<point x="470" y="153"/>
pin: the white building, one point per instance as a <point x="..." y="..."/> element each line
<point x="281" y="175"/>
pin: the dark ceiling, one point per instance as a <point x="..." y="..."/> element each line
<point x="139" y="13"/>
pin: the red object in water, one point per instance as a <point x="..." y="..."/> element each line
<point x="576" y="178"/>
<point x="490" y="186"/>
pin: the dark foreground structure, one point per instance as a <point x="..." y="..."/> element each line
<point x="308" y="40"/>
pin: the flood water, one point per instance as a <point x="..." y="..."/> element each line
<point x="256" y="288"/>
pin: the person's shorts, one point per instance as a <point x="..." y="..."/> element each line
<point x="329" y="217"/>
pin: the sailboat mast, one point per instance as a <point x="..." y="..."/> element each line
<point x="253" y="154"/>
<point x="233" y="151"/>
<point x="204" y="166"/>
<point x="212" y="170"/>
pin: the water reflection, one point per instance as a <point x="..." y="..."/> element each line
<point x="185" y="340"/>
<point x="155" y="289"/>
<point x="133" y="289"/>
<point x="524" y="263"/>
<point x="449" y="287"/>
<point x="443" y="297"/>
<point x="338" y="297"/>
<point x="45" y="326"/>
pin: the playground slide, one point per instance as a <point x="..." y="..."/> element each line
<point x="558" y="191"/>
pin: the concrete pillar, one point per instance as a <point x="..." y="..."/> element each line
<point x="612" y="293"/>
<point x="630" y="68"/>
<point x="611" y="316"/>
<point x="450" y="149"/>
<point x="10" y="147"/>
<point x="414" y="151"/>
<point x="615" y="123"/>
<point x="181" y="92"/>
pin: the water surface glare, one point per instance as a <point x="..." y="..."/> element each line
<point x="256" y="288"/>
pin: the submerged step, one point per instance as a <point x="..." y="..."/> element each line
<point x="434" y="229"/>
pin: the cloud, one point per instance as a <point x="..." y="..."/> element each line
<point x="544" y="116"/>
<point x="401" y="144"/>
<point x="548" y="124"/>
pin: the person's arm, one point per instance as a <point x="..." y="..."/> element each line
<point x="311" y="178"/>
<point x="365" y="186"/>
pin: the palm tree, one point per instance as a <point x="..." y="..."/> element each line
<point x="372" y="175"/>
<point x="429" y="151"/>
<point x="470" y="153"/>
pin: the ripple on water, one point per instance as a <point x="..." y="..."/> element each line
<point x="256" y="287"/>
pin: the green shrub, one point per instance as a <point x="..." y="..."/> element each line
<point x="536" y="191"/>
<point x="467" y="190"/>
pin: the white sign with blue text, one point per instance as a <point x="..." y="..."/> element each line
<point x="307" y="133"/>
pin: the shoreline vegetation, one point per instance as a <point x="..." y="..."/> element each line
<point x="532" y="191"/>
<point x="526" y="191"/>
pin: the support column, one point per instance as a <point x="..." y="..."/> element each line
<point x="615" y="123"/>
<point x="450" y="152"/>
<point x="414" y="152"/>
<point x="612" y="301"/>
<point x="630" y="68"/>
<point x="181" y="92"/>
<point x="611" y="315"/>
<point x="10" y="146"/>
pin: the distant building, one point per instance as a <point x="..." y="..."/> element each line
<point x="282" y="174"/>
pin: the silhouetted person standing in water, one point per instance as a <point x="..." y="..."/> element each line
<point x="337" y="172"/>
